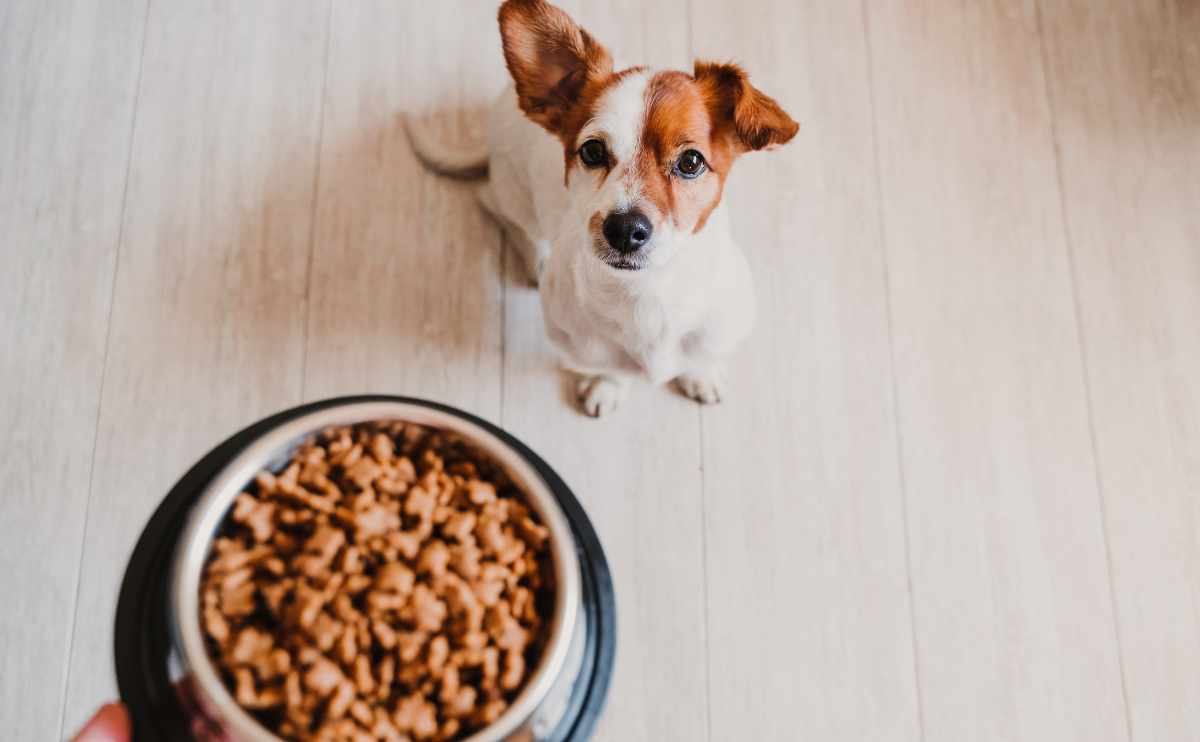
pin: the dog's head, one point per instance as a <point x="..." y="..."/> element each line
<point x="647" y="153"/>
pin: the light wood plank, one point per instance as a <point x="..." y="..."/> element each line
<point x="208" y="318"/>
<point x="791" y="491"/>
<point x="807" y="595"/>
<point x="68" y="76"/>
<point x="1013" y="613"/>
<point x="637" y="472"/>
<point x="406" y="285"/>
<point x="1125" y="84"/>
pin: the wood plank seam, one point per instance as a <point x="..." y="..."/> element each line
<point x="1081" y="340"/>
<point x="704" y="555"/>
<point x="704" y="571"/>
<point x="313" y="204"/>
<point x="87" y="503"/>
<point x="897" y="412"/>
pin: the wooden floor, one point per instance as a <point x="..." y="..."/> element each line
<point x="955" y="493"/>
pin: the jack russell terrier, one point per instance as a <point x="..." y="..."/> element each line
<point x="618" y="214"/>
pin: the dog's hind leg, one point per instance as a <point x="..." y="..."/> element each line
<point x="533" y="252"/>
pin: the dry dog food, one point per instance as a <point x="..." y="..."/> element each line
<point x="388" y="584"/>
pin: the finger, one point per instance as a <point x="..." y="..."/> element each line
<point x="110" y="724"/>
<point x="202" y="728"/>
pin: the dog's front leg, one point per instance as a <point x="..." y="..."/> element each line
<point x="600" y="394"/>
<point x="707" y="385"/>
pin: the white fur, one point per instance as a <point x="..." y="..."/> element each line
<point x="620" y="116"/>
<point x="452" y="161"/>
<point x="678" y="318"/>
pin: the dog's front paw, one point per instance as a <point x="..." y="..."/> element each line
<point x="534" y="273"/>
<point x="706" y="388"/>
<point x="599" y="395"/>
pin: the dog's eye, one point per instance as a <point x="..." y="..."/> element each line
<point x="593" y="153"/>
<point x="690" y="164"/>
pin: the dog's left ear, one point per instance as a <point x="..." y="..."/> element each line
<point x="550" y="58"/>
<point x="754" y="119"/>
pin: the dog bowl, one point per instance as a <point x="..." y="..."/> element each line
<point x="163" y="669"/>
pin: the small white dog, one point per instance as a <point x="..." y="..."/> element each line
<point x="618" y="215"/>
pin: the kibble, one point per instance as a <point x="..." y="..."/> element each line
<point x="389" y="583"/>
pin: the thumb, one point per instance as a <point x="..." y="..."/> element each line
<point x="110" y="724"/>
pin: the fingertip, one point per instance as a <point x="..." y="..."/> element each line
<point x="110" y="724"/>
<point x="117" y="716"/>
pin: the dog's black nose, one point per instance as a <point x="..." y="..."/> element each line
<point x="627" y="231"/>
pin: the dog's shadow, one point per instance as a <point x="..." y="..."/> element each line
<point x="407" y="281"/>
<point x="361" y="272"/>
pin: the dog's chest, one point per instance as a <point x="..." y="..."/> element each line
<point x="630" y="331"/>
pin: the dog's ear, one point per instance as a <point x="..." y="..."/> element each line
<point x="755" y="119"/>
<point x="550" y="58"/>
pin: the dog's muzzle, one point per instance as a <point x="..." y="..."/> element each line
<point x="627" y="235"/>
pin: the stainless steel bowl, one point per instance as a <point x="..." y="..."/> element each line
<point x="535" y="713"/>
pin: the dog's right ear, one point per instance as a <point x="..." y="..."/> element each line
<point x="550" y="58"/>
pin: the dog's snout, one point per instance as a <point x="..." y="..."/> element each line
<point x="627" y="231"/>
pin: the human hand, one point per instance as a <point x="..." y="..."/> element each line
<point x="110" y="724"/>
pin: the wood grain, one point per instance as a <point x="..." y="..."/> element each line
<point x="1125" y="85"/>
<point x="207" y="328"/>
<point x="68" y="76"/>
<point x="807" y="586"/>
<point x="406" y="287"/>
<point x="953" y="493"/>
<point x="1013" y="613"/>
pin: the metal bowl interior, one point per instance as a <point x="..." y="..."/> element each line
<point x="271" y="451"/>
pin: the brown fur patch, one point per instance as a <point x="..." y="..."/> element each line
<point x="551" y="59"/>
<point x="715" y="112"/>
<point x="746" y="115"/>
<point x="584" y="111"/>
<point x="558" y="69"/>
<point x="678" y="119"/>
<point x="596" y="226"/>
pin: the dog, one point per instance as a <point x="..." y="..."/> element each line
<point x="617" y="214"/>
